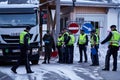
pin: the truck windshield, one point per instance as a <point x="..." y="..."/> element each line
<point x="18" y="19"/>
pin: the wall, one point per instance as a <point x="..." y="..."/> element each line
<point x="112" y="17"/>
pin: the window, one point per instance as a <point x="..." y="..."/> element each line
<point x="95" y="26"/>
<point x="18" y="19"/>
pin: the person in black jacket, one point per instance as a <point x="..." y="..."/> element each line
<point x="66" y="38"/>
<point x="24" y="45"/>
<point x="49" y="44"/>
<point x="59" y="48"/>
<point x="113" y="47"/>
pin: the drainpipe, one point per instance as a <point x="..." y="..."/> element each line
<point x="118" y="21"/>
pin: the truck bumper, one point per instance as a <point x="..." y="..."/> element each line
<point x="10" y="53"/>
<point x="15" y="58"/>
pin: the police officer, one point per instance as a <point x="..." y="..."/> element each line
<point x="82" y="43"/>
<point x="94" y="40"/>
<point x="71" y="48"/>
<point x="49" y="45"/>
<point x="65" y="39"/>
<point x="113" y="47"/>
<point x="59" y="47"/>
<point x="24" y="45"/>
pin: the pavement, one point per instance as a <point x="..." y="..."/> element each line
<point x="4" y="76"/>
<point x="110" y="75"/>
<point x="105" y="75"/>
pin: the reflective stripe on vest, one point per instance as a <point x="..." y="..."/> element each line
<point x="72" y="40"/>
<point x="82" y="39"/>
<point x="115" y="38"/>
<point x="59" y="41"/>
<point x="22" y="34"/>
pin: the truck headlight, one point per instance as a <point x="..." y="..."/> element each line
<point x="34" y="51"/>
<point x="1" y="52"/>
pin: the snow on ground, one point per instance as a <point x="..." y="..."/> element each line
<point x="60" y="71"/>
<point x="66" y="71"/>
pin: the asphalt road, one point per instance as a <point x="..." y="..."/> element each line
<point x="56" y="71"/>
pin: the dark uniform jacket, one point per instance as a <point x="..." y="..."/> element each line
<point x="107" y="38"/>
<point x="49" y="41"/>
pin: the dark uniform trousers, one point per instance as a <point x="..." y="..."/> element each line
<point x="23" y="57"/>
<point x="94" y="57"/>
<point x="70" y="53"/>
<point x="60" y="54"/>
<point x="82" y="48"/>
<point x="65" y="54"/>
<point x="48" y="51"/>
<point x="112" y="50"/>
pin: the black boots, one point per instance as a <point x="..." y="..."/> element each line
<point x="13" y="70"/>
<point x="44" y="62"/>
<point x="30" y="72"/>
<point x="105" y="69"/>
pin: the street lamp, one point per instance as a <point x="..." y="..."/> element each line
<point x="73" y="2"/>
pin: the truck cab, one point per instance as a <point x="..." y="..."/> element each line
<point x="14" y="18"/>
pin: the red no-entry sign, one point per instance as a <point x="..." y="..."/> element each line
<point x="73" y="27"/>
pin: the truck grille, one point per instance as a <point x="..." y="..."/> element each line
<point x="12" y="39"/>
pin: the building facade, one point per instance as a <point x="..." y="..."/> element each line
<point x="101" y="14"/>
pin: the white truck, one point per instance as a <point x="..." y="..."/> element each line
<point x="14" y="18"/>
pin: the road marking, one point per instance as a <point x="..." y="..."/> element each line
<point x="3" y="77"/>
<point x="95" y="73"/>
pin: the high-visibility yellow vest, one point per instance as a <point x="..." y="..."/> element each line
<point x="72" y="39"/>
<point x="22" y="34"/>
<point x="59" y="41"/>
<point x="82" y="39"/>
<point x="115" y="38"/>
<point x="97" y="31"/>
<point x="92" y="40"/>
